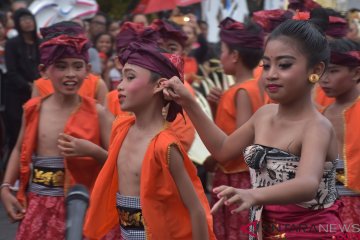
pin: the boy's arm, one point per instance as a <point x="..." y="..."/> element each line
<point x="34" y="92"/>
<point x="11" y="204"/>
<point x="188" y="195"/>
<point x="101" y="92"/>
<point x="243" y="107"/>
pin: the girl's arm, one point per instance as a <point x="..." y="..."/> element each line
<point x="243" y="107"/>
<point x="303" y="187"/>
<point x="188" y="195"/>
<point x="221" y="146"/>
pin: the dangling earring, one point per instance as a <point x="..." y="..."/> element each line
<point x="314" y="78"/>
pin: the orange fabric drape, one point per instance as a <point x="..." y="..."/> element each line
<point x="320" y="98"/>
<point x="351" y="148"/>
<point x="165" y="215"/>
<point x="226" y="116"/>
<point x="83" y="123"/>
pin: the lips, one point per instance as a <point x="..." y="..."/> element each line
<point x="121" y="97"/>
<point x="273" y="87"/>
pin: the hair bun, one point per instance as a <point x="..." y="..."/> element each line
<point x="320" y="18"/>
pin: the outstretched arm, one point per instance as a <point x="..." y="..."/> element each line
<point x="303" y="187"/>
<point x="188" y="195"/>
<point x="221" y="146"/>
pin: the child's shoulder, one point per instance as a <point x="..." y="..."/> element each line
<point x="122" y="120"/>
<point x="32" y="103"/>
<point x="165" y="139"/>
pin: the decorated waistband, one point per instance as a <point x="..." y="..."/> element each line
<point x="48" y="177"/>
<point x="340" y="181"/>
<point x="130" y="213"/>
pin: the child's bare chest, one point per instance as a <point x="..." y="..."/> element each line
<point x="129" y="162"/>
<point x="51" y="124"/>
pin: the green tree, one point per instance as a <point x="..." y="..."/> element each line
<point x="115" y="8"/>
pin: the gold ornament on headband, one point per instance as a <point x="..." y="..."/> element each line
<point x="314" y="78"/>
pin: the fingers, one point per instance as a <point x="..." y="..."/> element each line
<point x="65" y="144"/>
<point x="16" y="211"/>
<point x="66" y="151"/>
<point x="218" y="205"/>
<point x="219" y="189"/>
<point x="66" y="137"/>
<point x="228" y="192"/>
<point x="242" y="207"/>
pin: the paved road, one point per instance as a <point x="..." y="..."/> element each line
<point x="7" y="230"/>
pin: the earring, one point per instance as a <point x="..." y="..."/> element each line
<point x="314" y="78"/>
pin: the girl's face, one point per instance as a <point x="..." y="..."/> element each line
<point x="339" y="80"/>
<point x="67" y="74"/>
<point x="135" y="90"/>
<point x="285" y="70"/>
<point x="103" y="43"/>
<point x="228" y="59"/>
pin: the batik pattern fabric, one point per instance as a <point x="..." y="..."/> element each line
<point x="45" y="214"/>
<point x="270" y="166"/>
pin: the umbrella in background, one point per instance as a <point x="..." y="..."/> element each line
<point x="48" y="12"/>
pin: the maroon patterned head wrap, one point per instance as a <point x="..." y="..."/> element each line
<point x="168" y="31"/>
<point x="149" y="56"/>
<point x="337" y="27"/>
<point x="63" y="40"/>
<point x="349" y="59"/>
<point x="234" y="33"/>
<point x="270" y="19"/>
<point x="132" y="32"/>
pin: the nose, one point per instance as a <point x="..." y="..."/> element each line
<point x="70" y="73"/>
<point x="120" y="86"/>
<point x="271" y="74"/>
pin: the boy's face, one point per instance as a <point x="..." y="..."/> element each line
<point x="173" y="46"/>
<point x="227" y="59"/>
<point x="67" y="75"/>
<point x="339" y="79"/>
<point x="135" y="90"/>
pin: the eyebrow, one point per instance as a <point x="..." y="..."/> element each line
<point x="128" y="70"/>
<point x="280" y="57"/>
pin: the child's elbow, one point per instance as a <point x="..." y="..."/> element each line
<point x="198" y="213"/>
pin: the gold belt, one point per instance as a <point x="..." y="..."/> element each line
<point x="131" y="218"/>
<point x="49" y="177"/>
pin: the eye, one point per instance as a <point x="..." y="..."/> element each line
<point x="285" y="65"/>
<point x="333" y="70"/>
<point x="266" y="67"/>
<point x="60" y="66"/>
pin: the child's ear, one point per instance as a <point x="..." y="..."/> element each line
<point x="159" y="87"/>
<point x="42" y="71"/>
<point x="117" y="64"/>
<point x="319" y="69"/>
<point x="235" y="56"/>
<point x="356" y="75"/>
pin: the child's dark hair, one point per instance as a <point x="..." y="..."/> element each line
<point x="311" y="42"/>
<point x="343" y="45"/>
<point x="250" y="57"/>
<point x="67" y="29"/>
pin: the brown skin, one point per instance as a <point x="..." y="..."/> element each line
<point x="340" y="82"/>
<point x="54" y="114"/>
<point x="142" y="97"/>
<point x="300" y="129"/>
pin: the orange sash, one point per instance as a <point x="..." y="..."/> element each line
<point x="83" y="123"/>
<point x="351" y="148"/>
<point x="165" y="215"/>
<point x="226" y="117"/>
<point x="89" y="87"/>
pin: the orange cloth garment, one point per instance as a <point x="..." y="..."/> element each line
<point x="190" y="69"/>
<point x="351" y="148"/>
<point x="226" y="116"/>
<point x="83" y="123"/>
<point x="89" y="87"/>
<point x="320" y="98"/>
<point x="165" y="215"/>
<point x="181" y="126"/>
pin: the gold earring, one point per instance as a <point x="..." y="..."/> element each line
<point x="314" y="78"/>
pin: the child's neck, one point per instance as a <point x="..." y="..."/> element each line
<point x="149" y="121"/>
<point x="67" y="101"/>
<point x="347" y="97"/>
<point x="298" y="109"/>
<point x="243" y="74"/>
